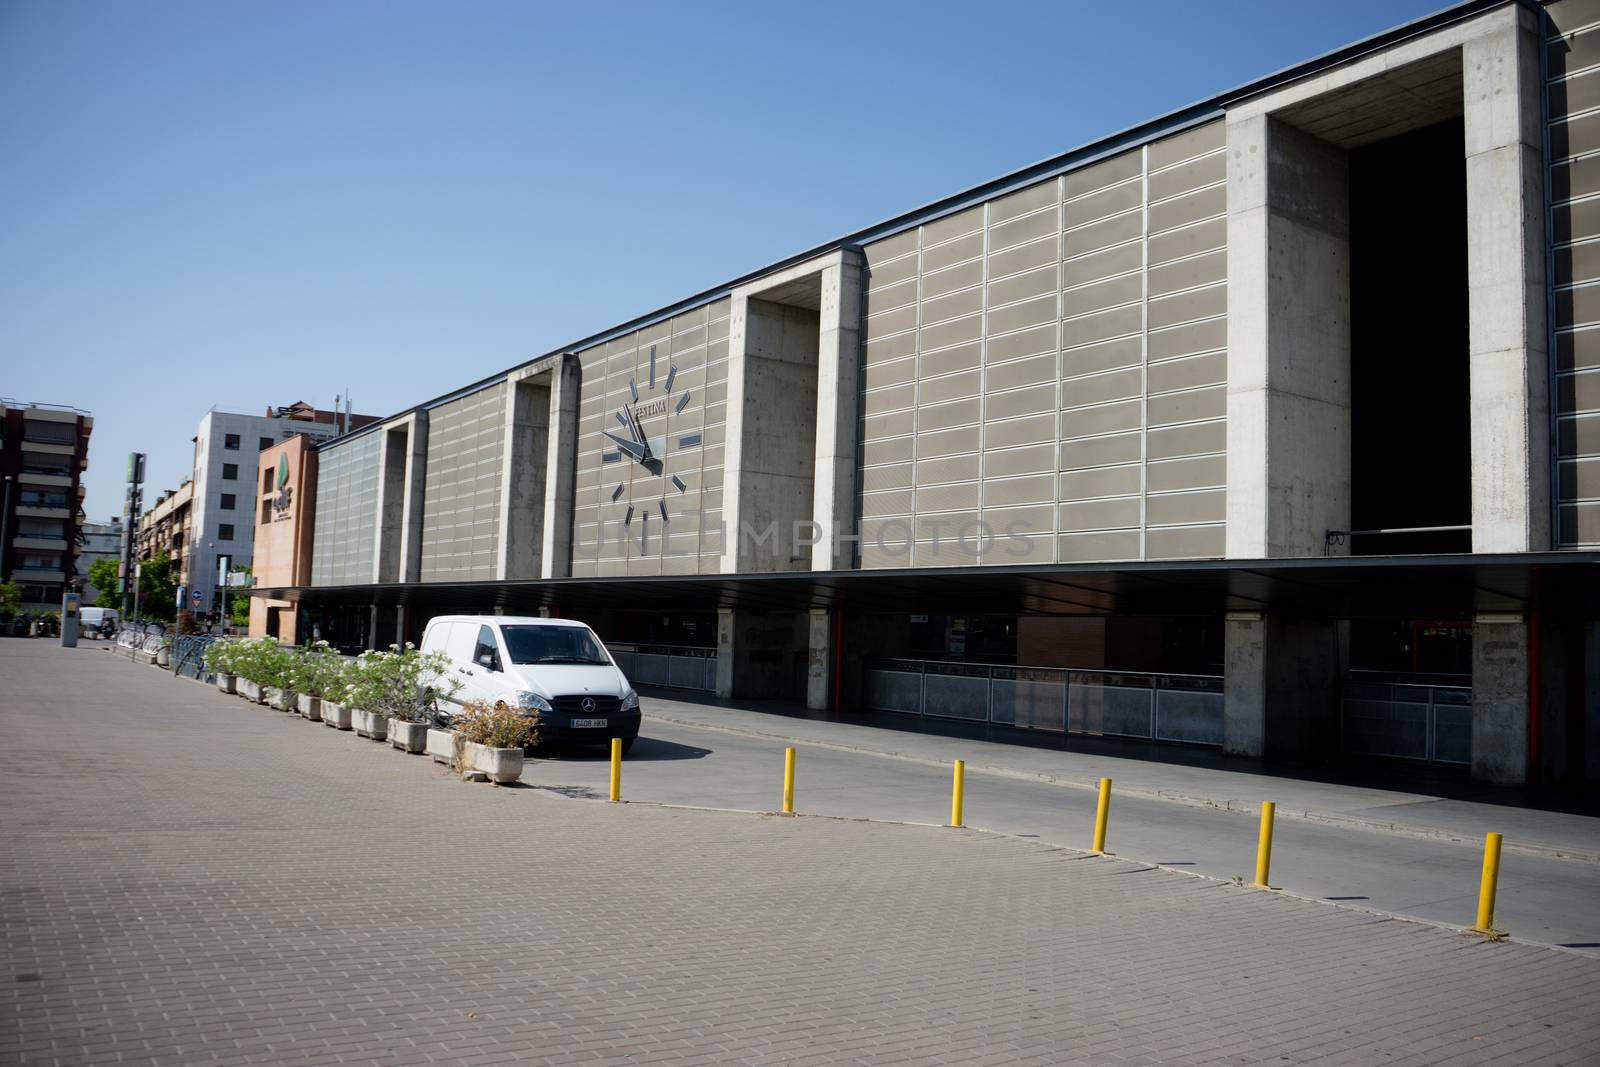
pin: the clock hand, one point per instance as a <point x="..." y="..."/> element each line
<point x="638" y="432"/>
<point x="632" y="448"/>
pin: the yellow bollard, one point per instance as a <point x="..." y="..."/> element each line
<point x="616" y="768"/>
<point x="1486" y="890"/>
<point x="1101" y="814"/>
<point x="956" y="786"/>
<point x="788" y="781"/>
<point x="1264" y="847"/>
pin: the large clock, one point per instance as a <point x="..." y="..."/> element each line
<point x="644" y="438"/>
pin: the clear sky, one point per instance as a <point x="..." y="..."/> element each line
<point x="241" y="204"/>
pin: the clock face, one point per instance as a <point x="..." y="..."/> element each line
<point x="643" y="437"/>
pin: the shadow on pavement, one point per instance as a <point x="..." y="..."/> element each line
<point x="1448" y="783"/>
<point x="645" y="750"/>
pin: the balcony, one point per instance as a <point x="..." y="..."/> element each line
<point x="41" y="476"/>
<point x="43" y="511"/>
<point x="38" y="574"/>
<point x="51" y="544"/>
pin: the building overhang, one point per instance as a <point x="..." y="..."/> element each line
<point x="1438" y="587"/>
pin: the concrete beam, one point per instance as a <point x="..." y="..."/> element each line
<point x="416" y="478"/>
<point x="1289" y="414"/>
<point x="838" y="398"/>
<point x="1506" y="278"/>
<point x="555" y="554"/>
<point x="1281" y="687"/>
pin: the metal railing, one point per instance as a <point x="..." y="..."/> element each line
<point x="1427" y="723"/>
<point x="1186" y="708"/>
<point x="668" y="666"/>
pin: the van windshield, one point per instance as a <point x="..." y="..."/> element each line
<point x="553" y="644"/>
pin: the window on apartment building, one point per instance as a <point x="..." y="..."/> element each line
<point x="229" y="501"/>
<point x="225" y="531"/>
<point x="230" y="472"/>
<point x="266" y="479"/>
<point x="266" y="443"/>
<point x="230" y="441"/>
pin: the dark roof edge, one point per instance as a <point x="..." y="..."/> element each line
<point x="1284" y="565"/>
<point x="1072" y="159"/>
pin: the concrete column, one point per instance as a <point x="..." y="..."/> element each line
<point x="524" y="459"/>
<point x="838" y="392"/>
<point x="733" y="502"/>
<point x="1281" y="687"/>
<point x="755" y="653"/>
<point x="555" y="554"/>
<point x="1288" y="340"/>
<point x="819" y="660"/>
<point x="1500" y="699"/>
<point x="1244" y="700"/>
<point x="1591" y="702"/>
<point x="416" y="480"/>
<point x="726" y="649"/>
<point x="1506" y="289"/>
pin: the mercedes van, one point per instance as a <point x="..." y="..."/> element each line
<point x="556" y="669"/>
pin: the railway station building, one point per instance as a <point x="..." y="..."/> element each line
<point x="1271" y="424"/>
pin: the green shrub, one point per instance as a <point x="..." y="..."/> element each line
<point x="222" y="657"/>
<point x="497" y="725"/>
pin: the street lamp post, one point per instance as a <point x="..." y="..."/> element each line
<point x="5" y="527"/>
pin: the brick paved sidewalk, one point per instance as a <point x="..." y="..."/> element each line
<point x="187" y="878"/>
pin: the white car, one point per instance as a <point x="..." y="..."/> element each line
<point x="555" y="668"/>
<point x="97" y="621"/>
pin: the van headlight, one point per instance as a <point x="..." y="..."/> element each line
<point x="630" y="701"/>
<point x="532" y="702"/>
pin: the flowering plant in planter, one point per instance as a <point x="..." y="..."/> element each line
<point x="402" y="683"/>
<point x="496" y="725"/>
<point x="490" y="739"/>
<point x="318" y="671"/>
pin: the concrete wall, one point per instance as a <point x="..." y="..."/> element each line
<point x="773" y="379"/>
<point x="344" y="544"/>
<point x="463" y="493"/>
<point x="1573" y="56"/>
<point x="691" y="349"/>
<point x="1051" y="364"/>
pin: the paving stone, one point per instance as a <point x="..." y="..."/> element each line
<point x="196" y="879"/>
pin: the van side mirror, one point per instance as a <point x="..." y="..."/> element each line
<point x="486" y="661"/>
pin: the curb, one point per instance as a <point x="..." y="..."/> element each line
<point x="1396" y="829"/>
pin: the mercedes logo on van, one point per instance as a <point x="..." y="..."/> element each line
<point x="588" y="704"/>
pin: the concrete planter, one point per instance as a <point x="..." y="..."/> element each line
<point x="281" y="699"/>
<point x="249" y="690"/>
<point x="441" y="745"/>
<point x="501" y="765"/>
<point x="311" y="707"/>
<point x="335" y="715"/>
<point x="408" y="736"/>
<point x="370" y="725"/>
<point x="225" y="682"/>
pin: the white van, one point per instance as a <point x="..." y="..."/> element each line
<point x="93" y="622"/>
<point x="556" y="668"/>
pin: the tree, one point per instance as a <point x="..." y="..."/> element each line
<point x="158" y="588"/>
<point x="238" y="600"/>
<point x="10" y="598"/>
<point x="103" y="577"/>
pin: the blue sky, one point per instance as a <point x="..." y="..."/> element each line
<point x="235" y="205"/>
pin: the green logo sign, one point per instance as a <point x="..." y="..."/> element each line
<point x="283" y="470"/>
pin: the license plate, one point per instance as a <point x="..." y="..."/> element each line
<point x="589" y="723"/>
